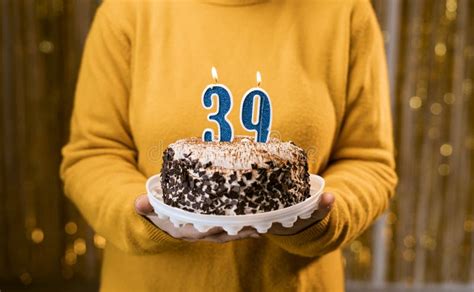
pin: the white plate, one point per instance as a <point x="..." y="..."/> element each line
<point x="232" y="224"/>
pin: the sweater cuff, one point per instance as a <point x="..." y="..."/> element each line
<point x="156" y="234"/>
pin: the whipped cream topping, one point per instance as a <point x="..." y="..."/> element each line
<point x="238" y="154"/>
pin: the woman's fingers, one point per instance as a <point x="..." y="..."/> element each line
<point x="212" y="231"/>
<point x="216" y="234"/>
<point x="189" y="232"/>
<point x="325" y="205"/>
<point x="224" y="237"/>
<point x="143" y="206"/>
<point x="326" y="201"/>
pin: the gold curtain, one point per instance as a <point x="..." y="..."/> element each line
<point x="426" y="238"/>
<point x="428" y="235"/>
<point x="43" y="240"/>
<point x="435" y="131"/>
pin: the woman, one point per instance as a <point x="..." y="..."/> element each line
<point x="144" y="68"/>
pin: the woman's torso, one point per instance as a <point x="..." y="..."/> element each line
<point x="302" y="49"/>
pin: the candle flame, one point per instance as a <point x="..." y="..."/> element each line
<point x="259" y="78"/>
<point x="214" y="73"/>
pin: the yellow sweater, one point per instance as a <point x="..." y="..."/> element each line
<point x="144" y="68"/>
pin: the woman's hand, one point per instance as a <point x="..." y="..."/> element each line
<point x="325" y="206"/>
<point x="188" y="232"/>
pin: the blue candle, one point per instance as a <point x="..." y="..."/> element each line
<point x="264" y="112"/>
<point x="224" y="105"/>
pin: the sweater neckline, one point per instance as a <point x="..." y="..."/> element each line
<point x="233" y="2"/>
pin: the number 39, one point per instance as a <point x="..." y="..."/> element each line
<point x="224" y="106"/>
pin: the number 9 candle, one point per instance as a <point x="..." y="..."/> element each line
<point x="264" y="112"/>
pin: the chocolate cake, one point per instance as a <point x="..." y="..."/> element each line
<point x="234" y="178"/>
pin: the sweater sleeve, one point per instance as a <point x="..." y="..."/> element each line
<point x="99" y="166"/>
<point x="361" y="170"/>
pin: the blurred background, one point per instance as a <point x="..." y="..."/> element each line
<point x="425" y="242"/>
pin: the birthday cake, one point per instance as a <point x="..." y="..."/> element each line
<point x="234" y="178"/>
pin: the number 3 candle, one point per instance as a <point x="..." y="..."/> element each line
<point x="224" y="105"/>
<point x="264" y="112"/>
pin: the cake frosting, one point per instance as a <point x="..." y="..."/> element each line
<point x="234" y="178"/>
